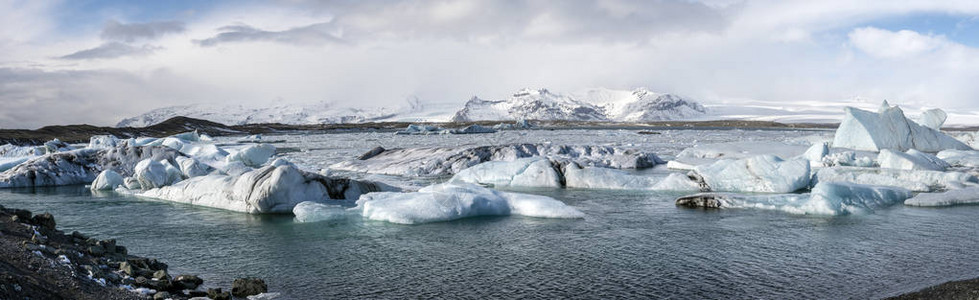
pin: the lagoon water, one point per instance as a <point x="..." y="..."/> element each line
<point x="629" y="245"/>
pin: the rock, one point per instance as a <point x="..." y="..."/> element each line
<point x="244" y="287"/>
<point x="158" y="285"/>
<point x="373" y="152"/>
<point x="39" y="239"/>
<point x="23" y="215"/>
<point x="187" y="282"/>
<point x="217" y="294"/>
<point x="96" y="250"/>
<point x="78" y="236"/>
<point x="31" y="246"/>
<point x="705" y="200"/>
<point x="109" y="245"/>
<point x="161" y="296"/>
<point x="128" y="268"/>
<point x="141" y="281"/>
<point x="45" y="221"/>
<point x="113" y="277"/>
<point x="160" y="275"/>
<point x="122" y="250"/>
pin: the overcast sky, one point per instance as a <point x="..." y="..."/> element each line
<point x="97" y="62"/>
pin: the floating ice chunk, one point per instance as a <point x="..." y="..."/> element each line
<point x="912" y="160"/>
<point x="960" y="158"/>
<point x="678" y="182"/>
<point x="604" y="178"/>
<point x="759" y="174"/>
<point x="206" y="138"/>
<point x="414" y="129"/>
<point x="933" y="118"/>
<point x="191" y="136"/>
<point x="889" y="129"/>
<point x="847" y="158"/>
<point x="309" y="211"/>
<point x="914" y="180"/>
<point x="151" y="174"/>
<point x="949" y="198"/>
<point x="11" y="151"/>
<point x="174" y="174"/>
<point x="190" y="167"/>
<point x="253" y="156"/>
<point x="451" y="201"/>
<point x="107" y="180"/>
<point x="472" y="129"/>
<point x="103" y="142"/>
<point x="524" y="172"/>
<point x="816" y="152"/>
<point x="132" y="184"/>
<point x="55" y="146"/>
<point x="270" y="189"/>
<point x="79" y="166"/>
<point x="826" y="198"/>
<point x="451" y="160"/>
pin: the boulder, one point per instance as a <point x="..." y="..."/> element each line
<point x="244" y="287"/>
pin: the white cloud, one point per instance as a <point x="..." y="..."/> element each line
<point x="890" y="44"/>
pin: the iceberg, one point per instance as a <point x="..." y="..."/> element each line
<point x="447" y="161"/>
<point x="826" y="198"/>
<point x="758" y="174"/>
<point x="190" y="167"/>
<point x="276" y="188"/>
<point x="9" y="163"/>
<point x="933" y="118"/>
<point x="103" y="142"/>
<point x="604" y="178"/>
<point x="739" y="150"/>
<point x="451" y="201"/>
<point x="414" y="129"/>
<point x="310" y="211"/>
<point x="960" y="158"/>
<point x="253" y="156"/>
<point x="524" y="172"/>
<point x="889" y="129"/>
<point x="472" y="129"/>
<point x="849" y="159"/>
<point x="80" y="166"/>
<point x="949" y="198"/>
<point x="816" y="152"/>
<point x="914" y="180"/>
<point x="153" y="174"/>
<point x="911" y="160"/>
<point x="107" y="180"/>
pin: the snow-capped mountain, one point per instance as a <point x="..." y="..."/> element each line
<point x="296" y="114"/>
<point x="639" y="105"/>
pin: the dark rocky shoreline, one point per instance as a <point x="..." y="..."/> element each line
<point x="37" y="261"/>
<point x="957" y="290"/>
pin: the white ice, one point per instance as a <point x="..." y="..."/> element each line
<point x="889" y="129"/>
<point x="524" y="172"/>
<point x="949" y="198"/>
<point x="107" y="180"/>
<point x="310" y="211"/>
<point x="451" y="201"/>
<point x="914" y="180"/>
<point x="758" y="174"/>
<point x="253" y="156"/>
<point x="910" y="160"/>
<point x="960" y="158"/>
<point x="826" y="198"/>
<point x="152" y="174"/>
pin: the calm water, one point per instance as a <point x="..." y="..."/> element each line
<point x="630" y="245"/>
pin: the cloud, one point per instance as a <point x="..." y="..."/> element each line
<point x="116" y="31"/>
<point x="33" y="97"/>
<point x="894" y="44"/>
<point x="111" y="50"/>
<point x="313" y="34"/>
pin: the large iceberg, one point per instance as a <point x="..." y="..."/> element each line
<point x="758" y="174"/>
<point x="81" y="166"/>
<point x="450" y="160"/>
<point x="451" y="201"/>
<point x="826" y="198"/>
<point x="253" y="156"/>
<point x="524" y="172"/>
<point x="890" y="129"/>
<point x="276" y="188"/>
<point x="604" y="178"/>
<point x="914" y="180"/>
<point x="953" y="197"/>
<point x="709" y="153"/>
<point x="107" y="180"/>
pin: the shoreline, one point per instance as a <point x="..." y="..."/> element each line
<point x="38" y="261"/>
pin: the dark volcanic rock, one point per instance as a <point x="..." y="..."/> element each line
<point x="45" y="221"/>
<point x="244" y="287"/>
<point x="187" y="282"/>
<point x="704" y="200"/>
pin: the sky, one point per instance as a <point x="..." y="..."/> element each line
<point x="97" y="62"/>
